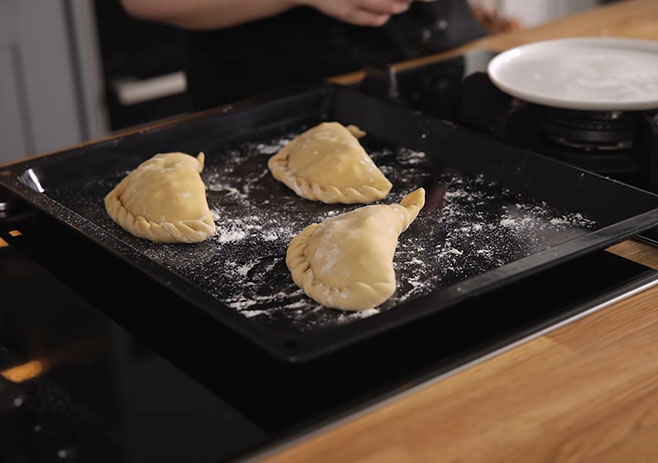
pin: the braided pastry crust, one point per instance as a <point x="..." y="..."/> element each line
<point x="327" y="163"/>
<point x="163" y="200"/>
<point x="346" y="261"/>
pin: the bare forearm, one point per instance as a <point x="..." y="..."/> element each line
<point x="206" y="14"/>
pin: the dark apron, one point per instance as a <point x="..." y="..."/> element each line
<point x="303" y="46"/>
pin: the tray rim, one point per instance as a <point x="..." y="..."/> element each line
<point x="265" y="339"/>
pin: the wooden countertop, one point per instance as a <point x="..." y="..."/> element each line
<point x="587" y="392"/>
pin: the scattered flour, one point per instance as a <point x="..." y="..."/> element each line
<point x="468" y="226"/>
<point x="244" y="270"/>
<point x="408" y="156"/>
<point x="231" y="235"/>
<point x="274" y="147"/>
<point x="252" y="313"/>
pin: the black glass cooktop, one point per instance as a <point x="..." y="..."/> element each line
<point x="85" y="379"/>
<point x="622" y="145"/>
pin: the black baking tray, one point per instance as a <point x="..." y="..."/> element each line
<point x="494" y="214"/>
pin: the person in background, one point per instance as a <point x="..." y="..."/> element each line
<point x="243" y="48"/>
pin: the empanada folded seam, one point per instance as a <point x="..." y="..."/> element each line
<point x="183" y="231"/>
<point x="327" y="194"/>
<point x="346" y="262"/>
<point x="303" y="276"/>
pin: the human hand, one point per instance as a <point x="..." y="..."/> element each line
<point x="371" y="13"/>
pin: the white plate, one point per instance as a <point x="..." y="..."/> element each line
<point x="598" y="74"/>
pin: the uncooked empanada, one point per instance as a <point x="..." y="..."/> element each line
<point x="327" y="163"/>
<point x="163" y="200"/>
<point x="346" y="262"/>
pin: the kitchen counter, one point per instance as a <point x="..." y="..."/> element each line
<point x="585" y="392"/>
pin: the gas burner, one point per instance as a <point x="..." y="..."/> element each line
<point x="617" y="144"/>
<point x="590" y="131"/>
<point x="598" y="141"/>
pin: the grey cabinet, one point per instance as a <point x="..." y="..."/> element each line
<point x="50" y="89"/>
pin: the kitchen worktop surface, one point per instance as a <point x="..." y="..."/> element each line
<point x="587" y="391"/>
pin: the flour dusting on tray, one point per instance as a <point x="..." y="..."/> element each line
<point x="468" y="226"/>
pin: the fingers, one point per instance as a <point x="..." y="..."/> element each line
<point x="372" y="13"/>
<point x="389" y="7"/>
<point x="375" y="13"/>
<point x="363" y="17"/>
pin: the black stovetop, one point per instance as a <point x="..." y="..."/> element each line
<point x="622" y="145"/>
<point x="85" y="377"/>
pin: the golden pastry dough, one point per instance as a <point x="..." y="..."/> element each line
<point x="357" y="132"/>
<point x="327" y="163"/>
<point x="163" y="200"/>
<point x="346" y="262"/>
